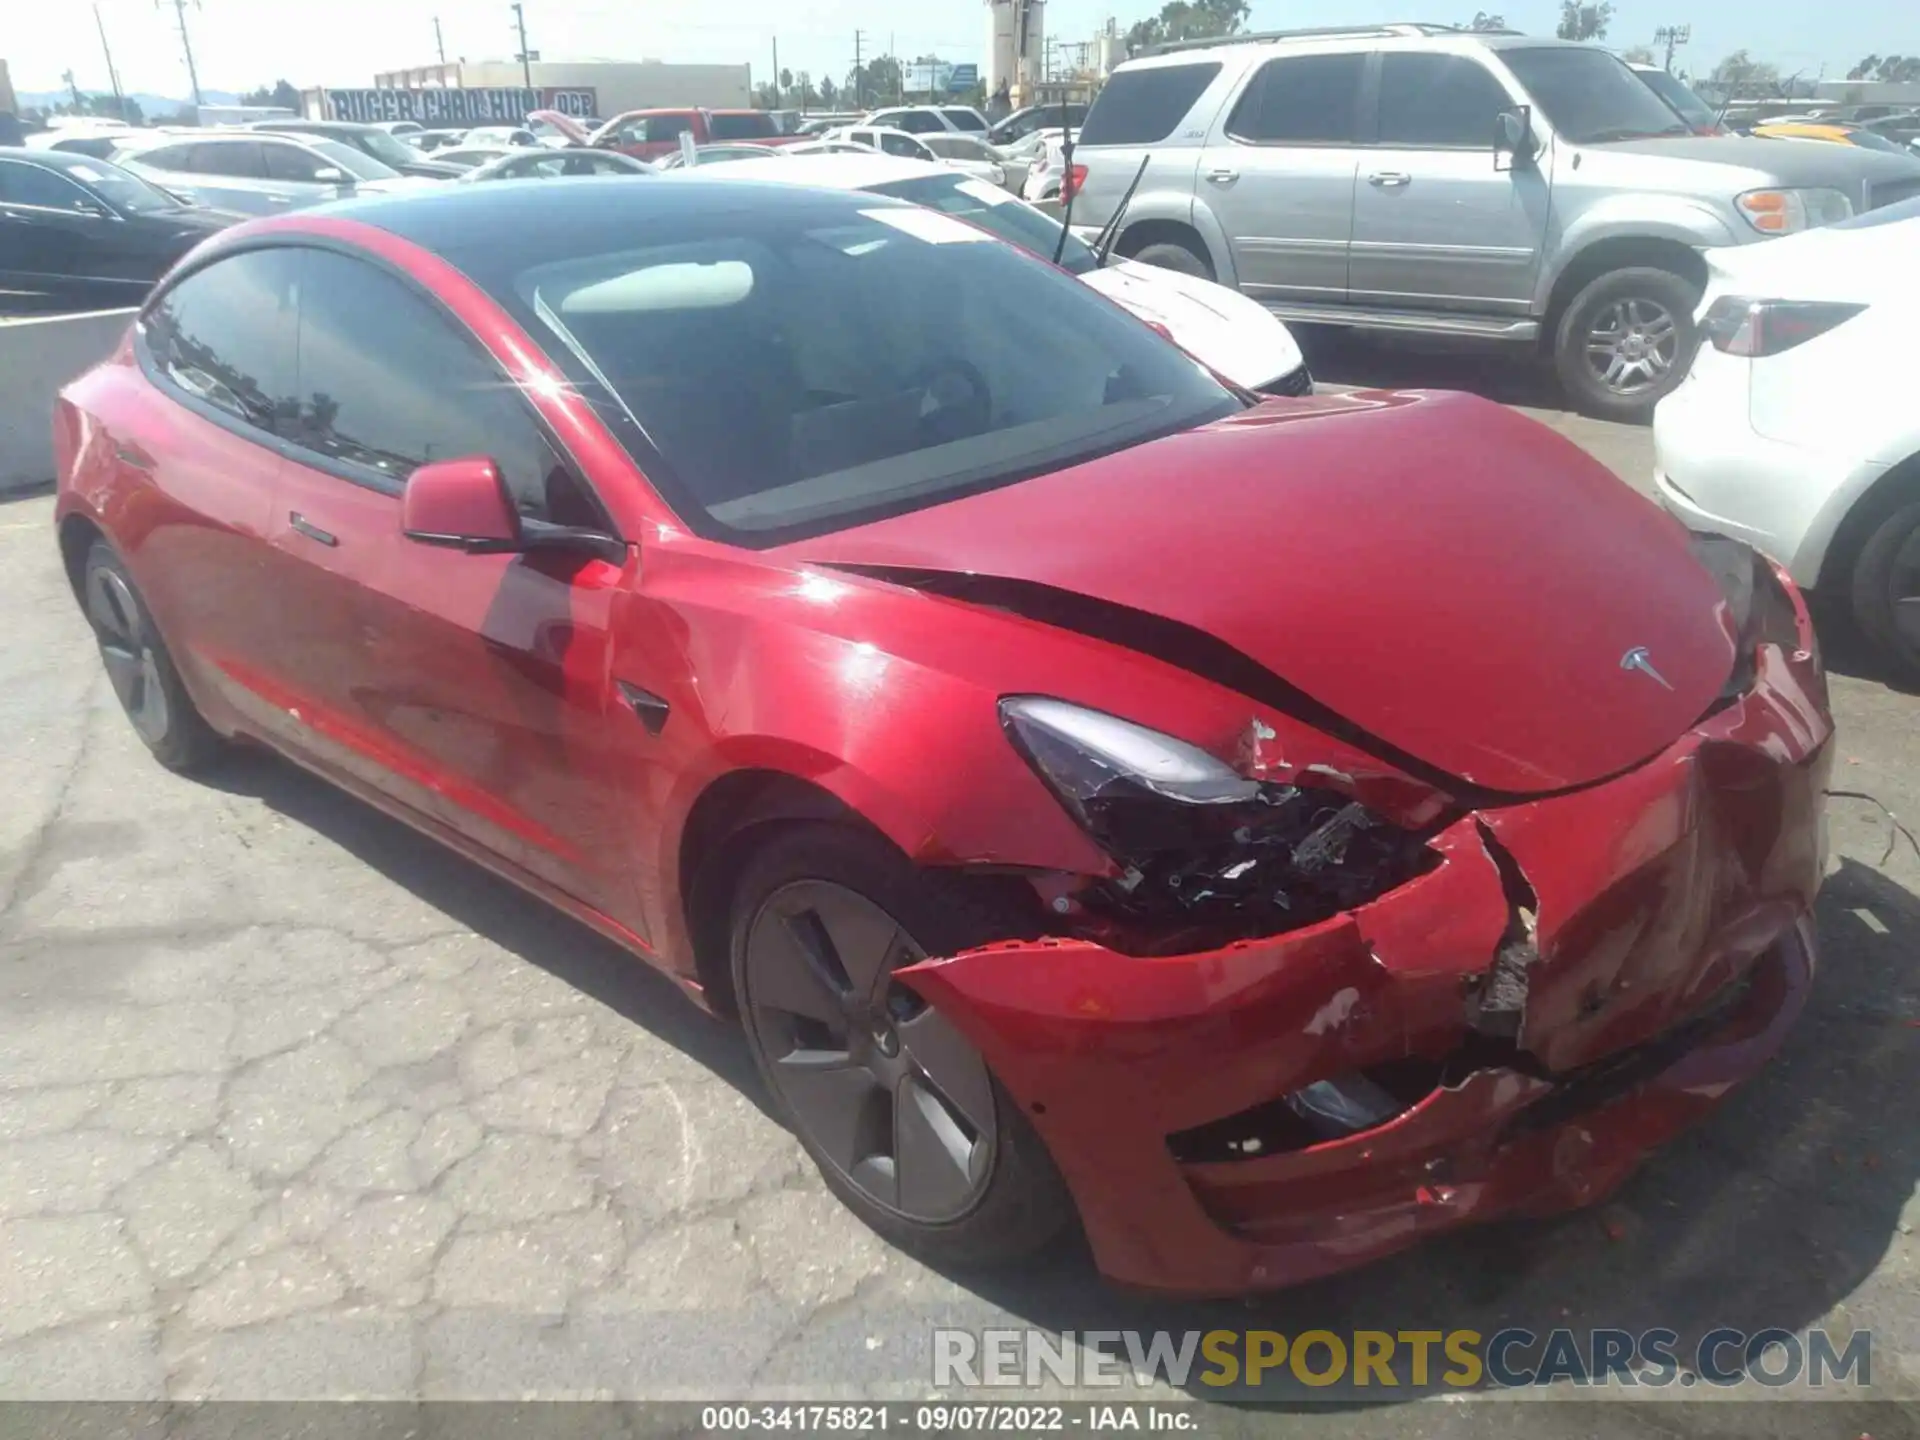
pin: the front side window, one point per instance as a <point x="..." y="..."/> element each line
<point x="290" y="162"/>
<point x="1590" y="96"/>
<point x="799" y="367"/>
<point x="388" y="385"/>
<point x="1305" y="100"/>
<point x="126" y="192"/>
<point x="23" y="184"/>
<point x="241" y="158"/>
<point x="1142" y="107"/>
<point x="226" y="336"/>
<point x="1438" y="102"/>
<point x="905" y="146"/>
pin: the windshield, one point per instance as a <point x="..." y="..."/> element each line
<point x="991" y="208"/>
<point x="1590" y="96"/>
<point x="797" y="368"/>
<point x="123" y="190"/>
<point x="356" y="163"/>
<point x="384" y="148"/>
<point x="1692" y="108"/>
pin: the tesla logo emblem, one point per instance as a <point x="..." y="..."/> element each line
<point x="1636" y="659"/>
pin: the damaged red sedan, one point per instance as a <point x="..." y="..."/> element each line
<point x="1267" y="833"/>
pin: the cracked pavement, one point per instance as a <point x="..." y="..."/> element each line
<point x="295" y="1105"/>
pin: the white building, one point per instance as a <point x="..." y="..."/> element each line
<point x="618" y="85"/>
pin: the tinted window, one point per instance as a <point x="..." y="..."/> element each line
<point x="126" y="192"/>
<point x="1139" y="107"/>
<point x="32" y="185"/>
<point x="667" y="127"/>
<point x="965" y="119"/>
<point x="164" y="157"/>
<point x="806" y="364"/>
<point x="1439" y="100"/>
<point x="388" y="384"/>
<point x="239" y="157"/>
<point x="904" y="145"/>
<point x="918" y="122"/>
<point x="290" y="162"/>
<point x="1590" y="96"/>
<point x="1307" y="100"/>
<point x="226" y="336"/>
<point x="743" y="127"/>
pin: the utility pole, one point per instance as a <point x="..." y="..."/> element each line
<point x="526" y="56"/>
<point x="439" y="43"/>
<point x="113" y="75"/>
<point x="859" y="74"/>
<point x="186" y="44"/>
<point x="776" y="73"/>
<point x="1673" y="37"/>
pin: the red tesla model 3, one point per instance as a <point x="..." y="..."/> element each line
<point x="1263" y="833"/>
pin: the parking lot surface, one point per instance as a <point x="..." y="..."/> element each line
<point x="294" y="1104"/>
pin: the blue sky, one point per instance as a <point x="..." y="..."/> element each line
<point x="242" y="43"/>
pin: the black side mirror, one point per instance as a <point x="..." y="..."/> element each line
<point x="1513" y="136"/>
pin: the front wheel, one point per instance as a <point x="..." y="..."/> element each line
<point x="1625" y="342"/>
<point x="897" y="1109"/>
<point x="142" y="672"/>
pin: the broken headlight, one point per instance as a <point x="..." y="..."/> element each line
<point x="1199" y="840"/>
<point x="1758" y="606"/>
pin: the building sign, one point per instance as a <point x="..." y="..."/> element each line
<point x="457" y="106"/>
<point x="964" y="77"/>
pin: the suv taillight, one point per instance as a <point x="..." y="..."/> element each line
<point x="1071" y="182"/>
<point x="1741" y="325"/>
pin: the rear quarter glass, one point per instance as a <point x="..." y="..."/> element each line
<point x="1142" y="107"/>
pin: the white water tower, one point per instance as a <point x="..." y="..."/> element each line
<point x="1016" y="47"/>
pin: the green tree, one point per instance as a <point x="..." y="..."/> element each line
<point x="1637" y="55"/>
<point x="875" y="83"/>
<point x="1889" y="69"/>
<point x="279" y="94"/>
<point x="1739" y="74"/>
<point x="1188" y="20"/>
<point x="1584" y="22"/>
<point x="829" y="92"/>
<point x="1483" y="21"/>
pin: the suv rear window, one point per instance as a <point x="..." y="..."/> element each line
<point x="1301" y="100"/>
<point x="1141" y="107"/>
<point x="757" y="126"/>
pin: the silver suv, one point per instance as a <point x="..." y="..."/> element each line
<point x="1422" y="178"/>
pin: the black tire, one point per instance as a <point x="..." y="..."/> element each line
<point x="1886" y="575"/>
<point x="1648" y="292"/>
<point x="140" y="668"/>
<point x="1172" y="255"/>
<point x="1020" y="1202"/>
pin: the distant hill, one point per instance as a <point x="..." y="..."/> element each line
<point x="149" y="104"/>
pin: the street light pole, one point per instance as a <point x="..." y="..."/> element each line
<point x="526" y="60"/>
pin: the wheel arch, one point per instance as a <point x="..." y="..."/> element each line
<point x="78" y="534"/>
<point x="1141" y="233"/>
<point x="1618" y="252"/>
<point x="1899" y="485"/>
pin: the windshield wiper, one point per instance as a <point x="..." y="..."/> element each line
<point x="1110" y="232"/>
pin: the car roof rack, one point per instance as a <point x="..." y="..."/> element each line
<point x="1385" y="30"/>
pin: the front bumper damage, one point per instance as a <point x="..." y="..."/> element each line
<point x="1666" y="949"/>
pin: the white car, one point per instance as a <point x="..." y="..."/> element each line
<point x="1796" y="429"/>
<point x="929" y="120"/>
<point x="903" y="146"/>
<point x="1235" y="337"/>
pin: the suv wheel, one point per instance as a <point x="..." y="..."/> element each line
<point x="1170" y="255"/>
<point x="1625" y="342"/>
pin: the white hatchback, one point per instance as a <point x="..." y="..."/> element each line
<point x="1233" y="336"/>
<point x="1796" y="429"/>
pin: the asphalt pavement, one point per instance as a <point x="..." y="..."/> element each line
<point x="295" y="1105"/>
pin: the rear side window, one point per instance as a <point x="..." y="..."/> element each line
<point x="903" y="145"/>
<point x="291" y="162"/>
<point x="165" y="157"/>
<point x="667" y="127"/>
<point x="743" y="127"/>
<point x="965" y="119"/>
<point x="1304" y="100"/>
<point x="390" y="385"/>
<point x="1438" y="101"/>
<point x="225" y="335"/>
<point x="35" y="185"/>
<point x="1141" y="107"/>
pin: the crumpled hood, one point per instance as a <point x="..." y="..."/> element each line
<point x="1221" y="328"/>
<point x="1453" y="579"/>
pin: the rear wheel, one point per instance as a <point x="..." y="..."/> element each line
<point x="139" y="667"/>
<point x="1625" y="342"/>
<point x="896" y="1108"/>
<point x="1170" y="255"/>
<point x="1886" y="590"/>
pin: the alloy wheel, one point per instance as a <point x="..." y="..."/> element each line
<point x="126" y="649"/>
<point x="1632" y="345"/>
<point x="885" y="1089"/>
